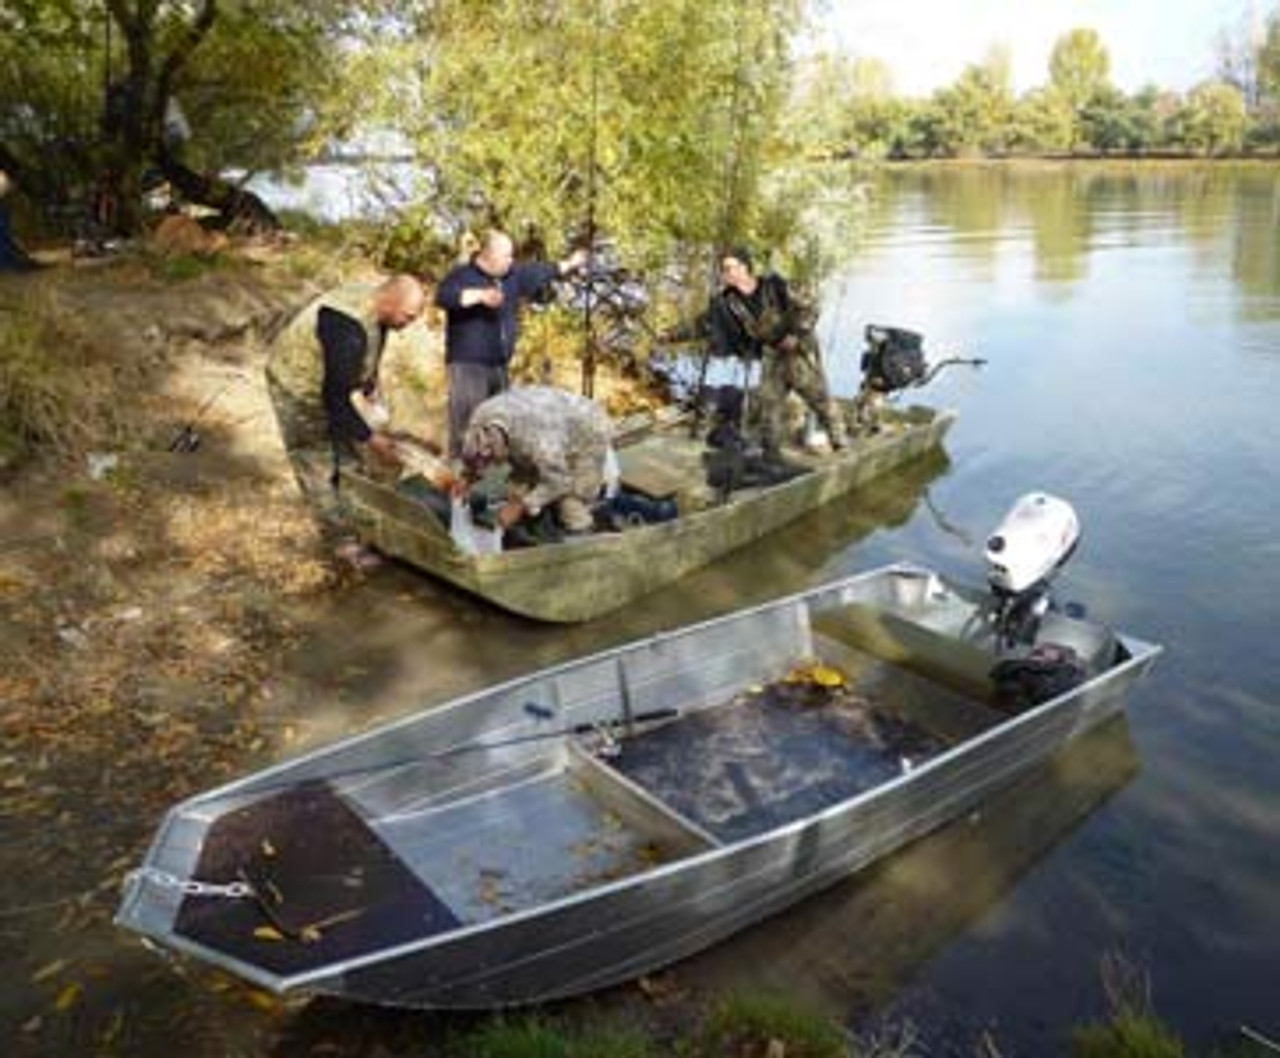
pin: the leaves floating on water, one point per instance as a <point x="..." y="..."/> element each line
<point x="817" y="673"/>
<point x="68" y="997"/>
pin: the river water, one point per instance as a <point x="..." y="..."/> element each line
<point x="1131" y="323"/>
<point x="1131" y="319"/>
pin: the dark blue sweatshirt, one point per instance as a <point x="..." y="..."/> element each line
<point x="478" y="334"/>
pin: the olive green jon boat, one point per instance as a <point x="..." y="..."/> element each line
<point x="583" y="577"/>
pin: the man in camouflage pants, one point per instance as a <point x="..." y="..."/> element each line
<point x="554" y="443"/>
<point x="756" y="317"/>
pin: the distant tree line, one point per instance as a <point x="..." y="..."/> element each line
<point x="849" y="109"/>
<point x="661" y="124"/>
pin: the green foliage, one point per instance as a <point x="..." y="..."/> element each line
<point x="745" y="1024"/>
<point x="50" y="83"/>
<point x="249" y="91"/>
<point x="655" y="121"/>
<point x="974" y="113"/>
<point x="1078" y="70"/>
<point x="1214" y="119"/>
<point x="1267" y="60"/>
<point x="846" y="106"/>
<point x="1128" y="1035"/>
<point x="247" y="75"/>
<point x="532" y="1037"/>
<point x="1043" y="122"/>
<point x="1079" y="65"/>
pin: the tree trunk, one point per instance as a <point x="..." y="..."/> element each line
<point x="243" y="212"/>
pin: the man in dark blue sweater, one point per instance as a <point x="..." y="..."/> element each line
<point x="481" y="300"/>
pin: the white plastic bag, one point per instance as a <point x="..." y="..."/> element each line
<point x="373" y="409"/>
<point x="470" y="538"/>
<point x="612" y="474"/>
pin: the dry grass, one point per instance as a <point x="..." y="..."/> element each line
<point x="61" y="380"/>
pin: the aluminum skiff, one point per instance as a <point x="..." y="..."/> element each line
<point x="584" y="577"/>
<point x="587" y="824"/>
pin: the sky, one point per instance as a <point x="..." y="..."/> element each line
<point x="928" y="43"/>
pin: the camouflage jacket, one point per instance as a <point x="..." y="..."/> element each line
<point x="749" y="326"/>
<point x="556" y="441"/>
<point x="295" y="364"/>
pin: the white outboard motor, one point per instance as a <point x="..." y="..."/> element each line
<point x="1033" y="542"/>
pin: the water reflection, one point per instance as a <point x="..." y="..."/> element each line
<point x="1064" y="216"/>
<point x="849" y="948"/>
<point x="1130" y="317"/>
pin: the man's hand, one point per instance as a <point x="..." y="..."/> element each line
<point x="510" y="513"/>
<point x="789" y="344"/>
<point x="575" y="262"/>
<point x="489" y="297"/>
<point x="446" y="480"/>
<point x="383" y="451"/>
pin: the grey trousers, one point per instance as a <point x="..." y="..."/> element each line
<point x="469" y="386"/>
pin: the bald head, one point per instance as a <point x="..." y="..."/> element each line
<point x="497" y="253"/>
<point x="399" y="301"/>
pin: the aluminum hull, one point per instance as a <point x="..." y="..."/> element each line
<point x="538" y="849"/>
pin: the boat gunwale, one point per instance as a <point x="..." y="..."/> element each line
<point x="701" y="860"/>
<point x="573" y="549"/>
<point x="1141" y="654"/>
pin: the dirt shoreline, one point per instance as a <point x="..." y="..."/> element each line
<point x="170" y="620"/>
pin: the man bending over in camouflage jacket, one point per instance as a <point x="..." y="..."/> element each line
<point x="554" y="443"/>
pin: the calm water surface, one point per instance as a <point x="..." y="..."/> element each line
<point x="1131" y="320"/>
<point x="1132" y="324"/>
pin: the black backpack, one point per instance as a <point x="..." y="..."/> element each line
<point x="1050" y="669"/>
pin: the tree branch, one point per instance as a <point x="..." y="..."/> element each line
<point x="177" y="58"/>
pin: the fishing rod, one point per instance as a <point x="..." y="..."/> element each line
<point x="541" y="712"/>
<point x="732" y="166"/>
<point x="588" y="326"/>
<point x="188" y="438"/>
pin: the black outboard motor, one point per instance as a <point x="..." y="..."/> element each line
<point x="894" y="360"/>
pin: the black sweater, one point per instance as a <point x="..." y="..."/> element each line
<point x="478" y="334"/>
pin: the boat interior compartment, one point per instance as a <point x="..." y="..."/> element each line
<point x="333" y="882"/>
<point x="763" y="721"/>
<point x="327" y="888"/>
<point x="839" y="725"/>
<point x="915" y="619"/>
<point x="559" y="831"/>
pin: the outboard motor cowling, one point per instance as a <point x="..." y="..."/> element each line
<point x="1036" y="537"/>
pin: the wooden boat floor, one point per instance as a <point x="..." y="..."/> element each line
<point x="772" y="757"/>
<point x="328" y="887"/>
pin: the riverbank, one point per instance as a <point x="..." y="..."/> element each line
<point x="170" y="615"/>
